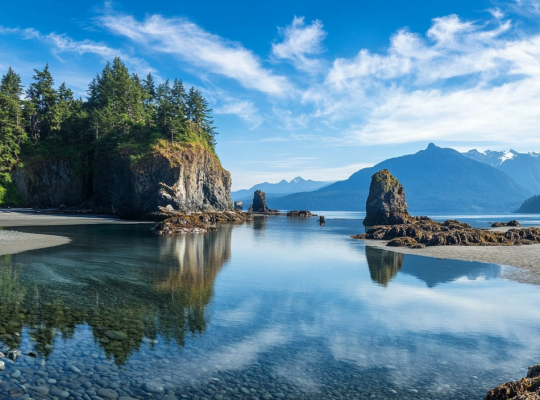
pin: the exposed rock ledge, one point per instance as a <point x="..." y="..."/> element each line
<point x="525" y="389"/>
<point x="426" y="232"/>
<point x="198" y="222"/>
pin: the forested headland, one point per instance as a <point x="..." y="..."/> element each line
<point x="120" y="112"/>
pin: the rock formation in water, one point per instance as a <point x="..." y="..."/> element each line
<point x="387" y="215"/>
<point x="259" y="204"/>
<point x="197" y="222"/>
<point x="185" y="178"/>
<point x="301" y="213"/>
<point x="525" y="389"/>
<point x="386" y="204"/>
<point x="239" y="205"/>
<point x="509" y="223"/>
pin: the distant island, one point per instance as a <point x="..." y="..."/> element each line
<point x="130" y="148"/>
<point x="531" y="205"/>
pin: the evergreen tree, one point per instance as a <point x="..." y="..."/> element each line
<point x="11" y="122"/>
<point x="42" y="95"/>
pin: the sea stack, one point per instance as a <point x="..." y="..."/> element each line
<point x="259" y="202"/>
<point x="386" y="204"/>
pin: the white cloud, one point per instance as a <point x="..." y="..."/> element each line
<point x="64" y="44"/>
<point x="464" y="81"/>
<point x="191" y="43"/>
<point x="299" y="41"/>
<point x="243" y="109"/>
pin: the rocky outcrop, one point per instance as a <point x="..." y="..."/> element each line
<point x="525" y="389"/>
<point x="198" y="222"/>
<point x="386" y="204"/>
<point x="259" y="204"/>
<point x="189" y="179"/>
<point x="50" y="183"/>
<point x="301" y="213"/>
<point x="509" y="223"/>
<point x="430" y="233"/>
<point x="239" y="205"/>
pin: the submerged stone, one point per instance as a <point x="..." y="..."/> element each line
<point x="116" y="335"/>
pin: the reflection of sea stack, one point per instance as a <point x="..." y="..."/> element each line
<point x="386" y="201"/>
<point x="383" y="265"/>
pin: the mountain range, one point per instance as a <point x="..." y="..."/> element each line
<point x="280" y="189"/>
<point x="435" y="180"/>
<point x="523" y="168"/>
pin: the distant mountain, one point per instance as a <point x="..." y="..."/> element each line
<point x="280" y="189"/>
<point x="435" y="180"/>
<point x="524" y="168"/>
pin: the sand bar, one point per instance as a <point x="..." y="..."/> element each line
<point x="12" y="242"/>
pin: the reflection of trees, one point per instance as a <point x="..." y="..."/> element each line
<point x="168" y="300"/>
<point x="383" y="265"/>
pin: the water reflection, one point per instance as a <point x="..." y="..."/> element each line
<point x="121" y="309"/>
<point x="383" y="265"/>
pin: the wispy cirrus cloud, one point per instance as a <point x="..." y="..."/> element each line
<point x="60" y="43"/>
<point x="244" y="109"/>
<point x="299" y="42"/>
<point x="186" y="40"/>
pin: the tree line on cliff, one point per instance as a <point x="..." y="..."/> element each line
<point x="120" y="110"/>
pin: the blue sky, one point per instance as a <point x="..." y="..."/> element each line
<point x="318" y="89"/>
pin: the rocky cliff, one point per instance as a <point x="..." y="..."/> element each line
<point x="188" y="178"/>
<point x="50" y="183"/>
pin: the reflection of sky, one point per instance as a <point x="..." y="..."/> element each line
<point x="302" y="294"/>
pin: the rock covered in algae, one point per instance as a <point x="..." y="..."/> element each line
<point x="386" y="203"/>
<point x="527" y="388"/>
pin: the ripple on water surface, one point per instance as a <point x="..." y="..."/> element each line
<point x="276" y="308"/>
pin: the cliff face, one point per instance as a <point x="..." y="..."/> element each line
<point x="49" y="183"/>
<point x="188" y="180"/>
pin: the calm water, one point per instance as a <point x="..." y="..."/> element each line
<point x="278" y="308"/>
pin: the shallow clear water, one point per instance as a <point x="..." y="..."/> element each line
<point x="277" y="308"/>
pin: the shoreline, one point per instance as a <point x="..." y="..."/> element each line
<point x="12" y="242"/>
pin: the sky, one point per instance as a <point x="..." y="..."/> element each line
<point x="317" y="89"/>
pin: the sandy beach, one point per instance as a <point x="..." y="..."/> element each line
<point x="12" y="242"/>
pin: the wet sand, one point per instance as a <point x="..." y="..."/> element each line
<point x="12" y="242"/>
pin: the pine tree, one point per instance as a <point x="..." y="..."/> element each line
<point x="11" y="122"/>
<point x="42" y="95"/>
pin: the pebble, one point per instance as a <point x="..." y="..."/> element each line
<point x="58" y="393"/>
<point x="75" y="369"/>
<point x="107" y="393"/>
<point x="42" y="390"/>
<point x="2" y="365"/>
<point x="16" y="374"/>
